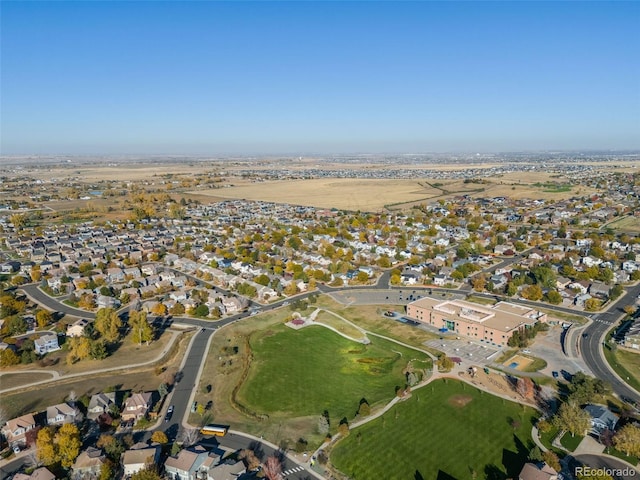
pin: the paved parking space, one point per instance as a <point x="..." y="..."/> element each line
<point x="547" y="346"/>
<point x="469" y="350"/>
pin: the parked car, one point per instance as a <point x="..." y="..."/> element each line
<point x="169" y="414"/>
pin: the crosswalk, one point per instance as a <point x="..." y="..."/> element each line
<point x="602" y="321"/>
<point x="292" y="470"/>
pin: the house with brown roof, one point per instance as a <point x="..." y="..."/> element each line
<point x="532" y="471"/>
<point x="15" y="430"/>
<point x="88" y="463"/>
<point x="138" y="457"/>
<point x="137" y="406"/>
<point x="191" y="464"/>
<point x="41" y="473"/>
<point x="61" y="414"/>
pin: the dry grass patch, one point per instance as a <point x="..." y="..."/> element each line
<point x="11" y="380"/>
<point x="459" y="401"/>
<point x="370" y="318"/>
<point x="347" y="194"/>
<point x="331" y="320"/>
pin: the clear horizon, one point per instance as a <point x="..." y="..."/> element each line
<point x="274" y="78"/>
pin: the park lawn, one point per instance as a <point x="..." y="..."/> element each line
<point x="626" y="364"/>
<point x="370" y="318"/>
<point x="445" y="430"/>
<point x="303" y="372"/>
<point x="330" y="319"/>
<point x="569" y="442"/>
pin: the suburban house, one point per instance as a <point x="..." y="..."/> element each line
<point x="46" y="343"/>
<point x="601" y="418"/>
<point x="542" y="471"/>
<point x="61" y="414"/>
<point x="76" y="329"/>
<point x="227" y="470"/>
<point x="191" y="464"/>
<point x="137" y="406"/>
<point x="100" y="403"/>
<point x="15" y="430"/>
<point x="138" y="457"/>
<point x="41" y="473"/>
<point x="88" y="463"/>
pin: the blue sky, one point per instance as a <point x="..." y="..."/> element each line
<point x="327" y="77"/>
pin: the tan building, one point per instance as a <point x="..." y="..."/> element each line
<point x="494" y="324"/>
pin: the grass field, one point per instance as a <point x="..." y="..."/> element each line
<point x="304" y="372"/>
<point x="225" y="363"/>
<point x="340" y="325"/>
<point x="626" y="364"/>
<point x="627" y="224"/>
<point x="444" y="431"/>
<point x="369" y="317"/>
<point x="140" y="379"/>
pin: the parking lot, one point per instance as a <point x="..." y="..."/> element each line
<point x="390" y="296"/>
<point x="465" y="349"/>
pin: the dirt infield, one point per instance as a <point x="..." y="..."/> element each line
<point x="523" y="362"/>
<point x="459" y="401"/>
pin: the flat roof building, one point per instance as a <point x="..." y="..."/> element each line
<point x="494" y="324"/>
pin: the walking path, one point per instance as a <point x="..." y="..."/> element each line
<point x="57" y="376"/>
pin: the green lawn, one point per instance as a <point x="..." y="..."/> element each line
<point x="569" y="442"/>
<point x="445" y="431"/>
<point x="304" y="372"/>
<point x="626" y="364"/>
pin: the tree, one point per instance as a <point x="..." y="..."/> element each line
<point x="159" y="309"/>
<point x="479" y="282"/>
<point x="107" y="470"/>
<point x="43" y="318"/>
<point x="272" y="468"/>
<point x="148" y="473"/>
<point x="628" y="440"/>
<point x="159" y="437"/>
<point x="554" y="297"/>
<point x="8" y="358"/>
<point x="141" y="331"/>
<point x="251" y="461"/>
<point x="108" y="324"/>
<point x="177" y="309"/>
<point x="87" y="301"/>
<point x="365" y="409"/>
<point x="592" y="304"/>
<point x="572" y="418"/>
<point x="201" y="311"/>
<point x="79" y="349"/>
<point x="532" y="292"/>
<point x="46" y="446"/>
<point x="68" y="444"/>
<point x="111" y="445"/>
<point x="551" y="459"/>
<point x="535" y="454"/>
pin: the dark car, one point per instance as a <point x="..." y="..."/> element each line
<point x="167" y="417"/>
<point x="555" y="374"/>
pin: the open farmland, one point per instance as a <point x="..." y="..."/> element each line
<point x="376" y="194"/>
<point x="347" y="194"/>
<point x="442" y="432"/>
